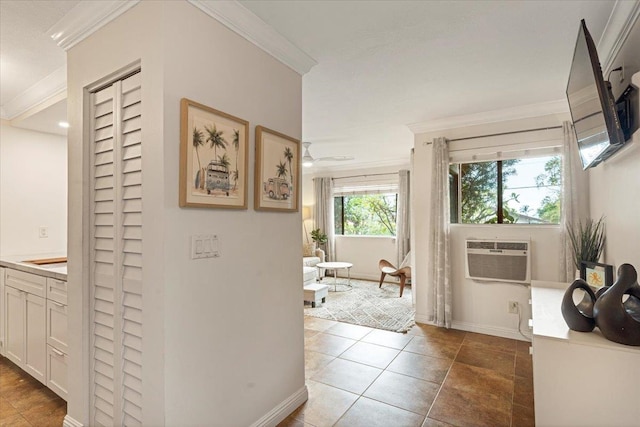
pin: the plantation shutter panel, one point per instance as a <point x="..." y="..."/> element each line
<point x="116" y="256"/>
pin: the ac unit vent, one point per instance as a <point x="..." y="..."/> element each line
<point x="498" y="260"/>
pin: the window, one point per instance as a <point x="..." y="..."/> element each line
<point x="366" y="214"/>
<point x="516" y="191"/>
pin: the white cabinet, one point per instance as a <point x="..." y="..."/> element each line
<point x="579" y="378"/>
<point x="14" y="325"/>
<point x="25" y="322"/>
<point x="35" y="327"/>
<point x="57" y="336"/>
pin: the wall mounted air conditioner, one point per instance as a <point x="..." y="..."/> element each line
<point x="498" y="260"/>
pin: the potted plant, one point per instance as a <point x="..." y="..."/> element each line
<point x="587" y="241"/>
<point x="318" y="237"/>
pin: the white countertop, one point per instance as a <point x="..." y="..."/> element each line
<point x="546" y="299"/>
<point x="55" y="271"/>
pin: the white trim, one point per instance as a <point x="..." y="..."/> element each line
<point x="515" y="113"/>
<point x="245" y="23"/>
<point x="284" y="409"/>
<point x="86" y="18"/>
<point x="71" y="422"/>
<point x="49" y="87"/>
<point x="495" y="331"/>
<point x="623" y="17"/>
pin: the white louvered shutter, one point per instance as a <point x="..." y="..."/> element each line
<point x="116" y="255"/>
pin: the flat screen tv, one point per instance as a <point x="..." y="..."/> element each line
<point x="593" y="109"/>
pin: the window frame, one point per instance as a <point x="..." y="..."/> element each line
<point x="364" y="193"/>
<point x="457" y="178"/>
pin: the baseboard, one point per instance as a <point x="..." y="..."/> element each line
<point x="481" y="329"/>
<point x="490" y="330"/>
<point x="284" y="409"/>
<point x="71" y="422"/>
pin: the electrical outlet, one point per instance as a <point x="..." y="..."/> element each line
<point x="43" y="232"/>
<point x="513" y="307"/>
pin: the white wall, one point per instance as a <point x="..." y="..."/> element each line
<point x="615" y="194"/>
<point x="225" y="335"/>
<point x="480" y="307"/>
<point x="33" y="192"/>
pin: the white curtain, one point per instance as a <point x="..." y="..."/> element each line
<point x="575" y="199"/>
<point x="403" y="219"/>
<point x="323" y="212"/>
<point x="438" y="260"/>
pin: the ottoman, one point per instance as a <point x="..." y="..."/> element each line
<point x="316" y="293"/>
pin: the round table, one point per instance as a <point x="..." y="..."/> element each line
<point x="335" y="266"/>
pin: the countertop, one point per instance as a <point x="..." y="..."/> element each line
<point x="549" y="323"/>
<point x="55" y="271"/>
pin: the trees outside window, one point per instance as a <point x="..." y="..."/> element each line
<point x="507" y="191"/>
<point x="366" y="215"/>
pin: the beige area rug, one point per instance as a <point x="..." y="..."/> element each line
<point x="367" y="305"/>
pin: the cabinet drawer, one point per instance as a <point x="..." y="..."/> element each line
<point x="57" y="290"/>
<point x="57" y="371"/>
<point x="27" y="282"/>
<point x="57" y="325"/>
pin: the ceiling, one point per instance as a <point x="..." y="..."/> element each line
<point x="381" y="65"/>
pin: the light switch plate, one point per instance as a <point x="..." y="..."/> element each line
<point x="204" y="246"/>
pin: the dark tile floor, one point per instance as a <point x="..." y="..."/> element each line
<point x="429" y="377"/>
<point x="358" y="376"/>
<point x="24" y="401"/>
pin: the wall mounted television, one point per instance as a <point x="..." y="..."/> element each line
<point x="592" y="106"/>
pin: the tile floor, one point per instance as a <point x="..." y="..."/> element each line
<point x="24" y="401"/>
<point x="429" y="377"/>
<point x="358" y="376"/>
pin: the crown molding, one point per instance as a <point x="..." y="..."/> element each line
<point x="86" y="18"/>
<point x="48" y="88"/>
<point x="622" y="19"/>
<point x="245" y="23"/>
<point x="516" y="113"/>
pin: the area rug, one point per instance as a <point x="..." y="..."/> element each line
<point x="367" y="305"/>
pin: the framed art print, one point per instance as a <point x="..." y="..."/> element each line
<point x="213" y="158"/>
<point x="277" y="180"/>
<point x="595" y="274"/>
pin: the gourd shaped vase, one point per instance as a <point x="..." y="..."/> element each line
<point x="620" y="321"/>
<point x="579" y="317"/>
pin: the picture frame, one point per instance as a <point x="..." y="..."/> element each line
<point x="277" y="171"/>
<point x="596" y="274"/>
<point x="214" y="158"/>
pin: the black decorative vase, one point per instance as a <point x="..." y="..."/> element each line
<point x="618" y="321"/>
<point x="579" y="317"/>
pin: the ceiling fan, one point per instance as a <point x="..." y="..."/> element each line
<point x="308" y="160"/>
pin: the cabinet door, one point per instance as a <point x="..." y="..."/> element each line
<point x="57" y="325"/>
<point x="57" y="371"/>
<point x="14" y="322"/>
<point x="35" y="355"/>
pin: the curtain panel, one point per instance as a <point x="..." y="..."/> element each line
<point x="323" y="212"/>
<point x="575" y="199"/>
<point x="403" y="218"/>
<point x="439" y="258"/>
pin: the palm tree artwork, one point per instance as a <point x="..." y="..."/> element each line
<point x="215" y="139"/>
<point x="197" y="142"/>
<point x="236" y="145"/>
<point x="281" y="170"/>
<point x="224" y="160"/>
<point x="288" y="155"/>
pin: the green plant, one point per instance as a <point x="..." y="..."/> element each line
<point x="318" y="236"/>
<point x="587" y="241"/>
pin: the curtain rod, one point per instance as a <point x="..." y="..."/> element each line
<point x="500" y="134"/>
<point x="365" y="175"/>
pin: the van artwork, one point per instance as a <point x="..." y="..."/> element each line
<point x="277" y="169"/>
<point x="214" y="158"/>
